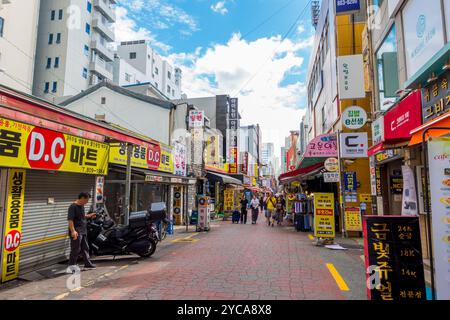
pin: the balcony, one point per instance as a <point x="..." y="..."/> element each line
<point x="103" y="29"/>
<point x="102" y="68"/>
<point x="101" y="48"/>
<point x="106" y="9"/>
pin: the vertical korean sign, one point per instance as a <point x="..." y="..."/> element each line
<point x="393" y="251"/>
<point x="439" y="158"/>
<point x="324" y="215"/>
<point x="13" y="224"/>
<point x="351" y="77"/>
<point x="233" y="136"/>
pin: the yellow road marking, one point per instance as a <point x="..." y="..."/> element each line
<point x="310" y="237"/>
<point x="337" y="277"/>
<point x="61" y="296"/>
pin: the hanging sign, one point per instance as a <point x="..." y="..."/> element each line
<point x="354" y="145"/>
<point x="179" y="159"/>
<point x="323" y="146"/>
<point x="353" y="220"/>
<point x="13" y="224"/>
<point x="351" y="77"/>
<point x="394" y="264"/>
<point x="30" y="147"/>
<point x="324" y="215"/>
<point x="439" y="168"/>
<point x="196" y="119"/>
<point x="347" y="6"/>
<point x="332" y="164"/>
<point x="350" y="181"/>
<point x="354" y="117"/>
<point x="331" y="177"/>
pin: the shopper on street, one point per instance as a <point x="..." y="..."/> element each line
<point x="78" y="232"/>
<point x="271" y="208"/>
<point x="244" y="207"/>
<point x="254" y="204"/>
<point x="262" y="204"/>
<point x="279" y="212"/>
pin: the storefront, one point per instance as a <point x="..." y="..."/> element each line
<point x="47" y="157"/>
<point x="223" y="191"/>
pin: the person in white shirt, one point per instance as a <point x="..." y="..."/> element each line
<point x="254" y="204"/>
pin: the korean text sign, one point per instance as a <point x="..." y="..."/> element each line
<point x="324" y="215"/>
<point x="394" y="258"/>
<point x="30" y="147"/>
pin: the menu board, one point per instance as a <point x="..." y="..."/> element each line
<point x="394" y="261"/>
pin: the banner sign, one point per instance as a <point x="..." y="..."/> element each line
<point x="233" y="166"/>
<point x="350" y="181"/>
<point x="322" y="146"/>
<point x="179" y="159"/>
<point x="351" y="77"/>
<point x="353" y="220"/>
<point x="324" y="215"/>
<point x="13" y="224"/>
<point x="409" y="201"/>
<point x="439" y="168"/>
<point x="156" y="157"/>
<point x="394" y="265"/>
<point x="30" y="147"/>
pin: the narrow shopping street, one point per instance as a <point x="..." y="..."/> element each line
<point x="231" y="262"/>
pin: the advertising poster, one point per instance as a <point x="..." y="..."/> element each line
<point x="353" y="220"/>
<point x="439" y="166"/>
<point x="409" y="201"/>
<point x="228" y="200"/>
<point x="30" y="147"/>
<point x="13" y="224"/>
<point x="324" y="226"/>
<point x="394" y="265"/>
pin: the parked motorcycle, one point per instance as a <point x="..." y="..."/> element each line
<point x="138" y="237"/>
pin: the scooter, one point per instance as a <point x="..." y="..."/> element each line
<point x="138" y="237"/>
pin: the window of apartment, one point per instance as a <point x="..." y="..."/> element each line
<point x="133" y="55"/>
<point x="52" y="15"/>
<point x="47" y="87"/>
<point x="156" y="85"/>
<point x="50" y="38"/>
<point x="169" y="75"/>
<point x="156" y="70"/>
<point x="103" y="101"/>
<point x="85" y="73"/>
<point x="58" y="38"/>
<point x="127" y="77"/>
<point x="168" y="89"/>
<point x="88" y="28"/>
<point x="2" y="23"/>
<point x="57" y="62"/>
<point x="60" y="14"/>
<point x="49" y="63"/>
<point x="55" y="86"/>
<point x="387" y="70"/>
<point x="86" y="50"/>
<point x="177" y="82"/>
<point x="89" y="6"/>
<point x="173" y="93"/>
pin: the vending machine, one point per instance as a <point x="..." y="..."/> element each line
<point x="204" y="217"/>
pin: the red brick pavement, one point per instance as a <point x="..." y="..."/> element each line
<point x="232" y="262"/>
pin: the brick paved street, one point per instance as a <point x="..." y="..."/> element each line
<point x="231" y="262"/>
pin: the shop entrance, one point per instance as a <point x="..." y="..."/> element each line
<point x="392" y="187"/>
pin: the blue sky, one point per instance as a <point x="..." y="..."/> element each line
<point x="220" y="52"/>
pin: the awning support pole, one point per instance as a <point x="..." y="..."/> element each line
<point x="341" y="178"/>
<point x="128" y="184"/>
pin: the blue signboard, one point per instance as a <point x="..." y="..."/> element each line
<point x="346" y="6"/>
<point x="350" y="181"/>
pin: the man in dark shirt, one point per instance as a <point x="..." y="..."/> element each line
<point x="78" y="232"/>
<point x="244" y="206"/>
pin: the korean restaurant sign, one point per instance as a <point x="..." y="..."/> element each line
<point x="324" y="215"/>
<point x="156" y="157"/>
<point x="351" y="77"/>
<point x="394" y="265"/>
<point x="439" y="166"/>
<point x="322" y="146"/>
<point x="436" y="98"/>
<point x="31" y="147"/>
<point x="196" y="119"/>
<point x="13" y="224"/>
<point x="406" y="116"/>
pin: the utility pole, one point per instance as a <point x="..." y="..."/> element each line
<point x="128" y="184"/>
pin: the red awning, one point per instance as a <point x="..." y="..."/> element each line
<point x="300" y="172"/>
<point x="25" y="108"/>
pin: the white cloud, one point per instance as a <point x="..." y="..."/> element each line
<point x="126" y="29"/>
<point x="254" y="71"/>
<point x="219" y="7"/>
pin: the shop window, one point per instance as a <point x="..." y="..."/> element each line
<point x="387" y="70"/>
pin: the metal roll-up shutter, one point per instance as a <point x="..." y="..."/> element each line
<point x="44" y="227"/>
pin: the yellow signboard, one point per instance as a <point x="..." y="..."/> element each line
<point x="228" y="200"/>
<point x="30" y="147"/>
<point x="365" y="198"/>
<point x="353" y="220"/>
<point x="324" y="215"/>
<point x="156" y="157"/>
<point x="13" y="224"/>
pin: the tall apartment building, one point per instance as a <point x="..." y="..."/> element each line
<point x="18" y="31"/>
<point x="73" y="46"/>
<point x="267" y="159"/>
<point x="139" y="64"/>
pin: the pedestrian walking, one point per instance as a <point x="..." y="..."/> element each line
<point x="78" y="232"/>
<point x="271" y="203"/>
<point x="279" y="212"/>
<point x="254" y="204"/>
<point x="244" y="207"/>
<point x="263" y="204"/>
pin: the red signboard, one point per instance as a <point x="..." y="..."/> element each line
<point x="153" y="156"/>
<point x="406" y="116"/>
<point x="244" y="165"/>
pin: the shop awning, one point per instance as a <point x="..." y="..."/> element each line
<point x="442" y="121"/>
<point x="224" y="179"/>
<point x="168" y="178"/>
<point x="300" y="172"/>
